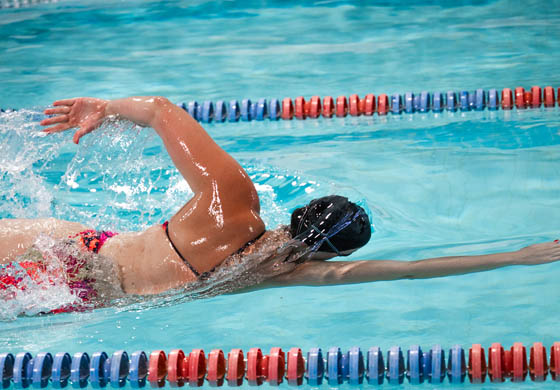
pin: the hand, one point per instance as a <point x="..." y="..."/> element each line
<point x="546" y="252"/>
<point x="85" y="113"/>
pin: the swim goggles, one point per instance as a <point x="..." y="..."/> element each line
<point x="315" y="233"/>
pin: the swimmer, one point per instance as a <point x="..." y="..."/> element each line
<point x="221" y="224"/>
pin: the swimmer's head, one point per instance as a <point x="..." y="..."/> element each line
<point x="331" y="226"/>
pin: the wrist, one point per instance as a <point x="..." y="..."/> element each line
<point x="108" y="108"/>
<point x="519" y="257"/>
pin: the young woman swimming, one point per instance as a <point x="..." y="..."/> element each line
<point x="219" y="225"/>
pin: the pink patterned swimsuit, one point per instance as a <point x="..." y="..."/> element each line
<point x="13" y="274"/>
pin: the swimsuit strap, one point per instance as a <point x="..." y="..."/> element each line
<point x="166" y="227"/>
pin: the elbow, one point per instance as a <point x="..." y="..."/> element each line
<point x="160" y="103"/>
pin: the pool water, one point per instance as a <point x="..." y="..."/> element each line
<point x="434" y="184"/>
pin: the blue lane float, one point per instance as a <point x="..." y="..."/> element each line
<point x="456" y="366"/>
<point x="79" y="371"/>
<point x="493" y="99"/>
<point x="253" y="108"/>
<point x="97" y="377"/>
<point x="138" y="369"/>
<point x="451" y="101"/>
<point x="220" y="112"/>
<point x="42" y="370"/>
<point x="415" y="365"/>
<point x="480" y="99"/>
<point x="464" y="101"/>
<point x="437" y="359"/>
<point x="262" y="110"/>
<point x="61" y="370"/>
<point x="315" y="367"/>
<point x="233" y="111"/>
<point x="425" y="102"/>
<point x="438" y="102"/>
<point x="395" y="366"/>
<point x="409" y="103"/>
<point x="396" y="104"/>
<point x="6" y="369"/>
<point x="21" y="375"/>
<point x="275" y="111"/>
<point x="356" y="367"/>
<point x="334" y="366"/>
<point x="375" y="366"/>
<point x="246" y="110"/>
<point x="207" y="112"/>
<point x="119" y="369"/>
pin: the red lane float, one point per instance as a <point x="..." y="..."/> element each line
<point x="368" y="104"/>
<point x="314" y="107"/>
<point x="175" y="375"/>
<point x="519" y="363"/>
<point x="235" y="368"/>
<point x="382" y="104"/>
<point x="507" y="99"/>
<point x="354" y="105"/>
<point x="520" y="98"/>
<point x="341" y="109"/>
<point x="157" y="369"/>
<point x="287" y="109"/>
<point x="528" y="98"/>
<point x="536" y="97"/>
<point x="216" y="368"/>
<point x="538" y="368"/>
<point x="276" y="366"/>
<point x="555" y="361"/>
<point x="508" y="363"/>
<point x="300" y="108"/>
<point x="477" y="364"/>
<point x="496" y="363"/>
<point x="296" y="367"/>
<point x="257" y="367"/>
<point x="549" y="99"/>
<point x="328" y="107"/>
<point x="197" y="368"/>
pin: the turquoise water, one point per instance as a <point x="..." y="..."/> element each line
<point x="435" y="185"/>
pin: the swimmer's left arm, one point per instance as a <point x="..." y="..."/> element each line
<point x="320" y="273"/>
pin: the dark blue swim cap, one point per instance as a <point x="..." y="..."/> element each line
<point x="331" y="224"/>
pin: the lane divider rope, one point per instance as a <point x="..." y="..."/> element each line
<point x="335" y="367"/>
<point x="409" y="103"/>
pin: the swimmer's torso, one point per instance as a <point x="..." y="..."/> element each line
<point x="146" y="262"/>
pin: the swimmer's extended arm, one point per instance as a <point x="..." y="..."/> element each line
<point x="320" y="273"/>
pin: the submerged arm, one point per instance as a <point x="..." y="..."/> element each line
<point x="319" y="273"/>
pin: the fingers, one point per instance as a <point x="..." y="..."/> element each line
<point x="80" y="133"/>
<point x="57" y="128"/>
<point x="58" y="110"/>
<point x="64" y="102"/>
<point x="54" y="119"/>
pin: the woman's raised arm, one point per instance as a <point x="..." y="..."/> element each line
<point x="195" y="154"/>
<point x="319" y="273"/>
